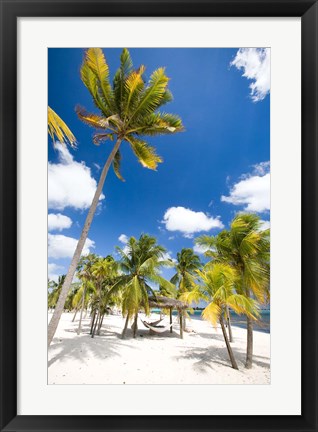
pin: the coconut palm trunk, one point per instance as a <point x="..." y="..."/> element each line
<point x="135" y="325"/>
<point x="79" y="248"/>
<point x="81" y="315"/>
<point x="100" y="324"/>
<point x="229" y="327"/>
<point x="125" y="327"/>
<point x="228" y="346"/>
<point x="93" y="321"/>
<point x="96" y="322"/>
<point x="249" y="349"/>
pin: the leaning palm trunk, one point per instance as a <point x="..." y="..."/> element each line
<point x="125" y="328"/>
<point x="79" y="248"/>
<point x="228" y="320"/>
<point x="80" y="320"/>
<point x="249" y="350"/>
<point x="228" y="346"/>
<point x="135" y="326"/>
<point x="93" y="321"/>
<point x="96" y="322"/>
<point x="100" y="324"/>
<point x="76" y="310"/>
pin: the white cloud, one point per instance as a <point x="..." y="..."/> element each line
<point x="58" y="222"/>
<point x="167" y="256"/>
<point x="255" y="63"/>
<point x="265" y="225"/>
<point x="199" y="249"/>
<point x="54" y="271"/>
<point x="60" y="246"/>
<point x="253" y="192"/>
<point x="262" y="168"/>
<point x="70" y="183"/>
<point x="123" y="238"/>
<point x="188" y="221"/>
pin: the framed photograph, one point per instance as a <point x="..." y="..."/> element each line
<point x="158" y="215"/>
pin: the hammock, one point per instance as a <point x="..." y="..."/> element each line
<point x="156" y="329"/>
<point x="155" y="323"/>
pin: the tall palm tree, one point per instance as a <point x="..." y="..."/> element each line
<point x="104" y="272"/>
<point x="84" y="273"/>
<point x="128" y="111"/>
<point x="140" y="264"/>
<point x="185" y="277"/>
<point x="219" y="289"/>
<point x="247" y="248"/>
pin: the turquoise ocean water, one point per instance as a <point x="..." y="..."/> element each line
<point x="263" y="325"/>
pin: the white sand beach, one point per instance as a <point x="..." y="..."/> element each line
<point x="199" y="358"/>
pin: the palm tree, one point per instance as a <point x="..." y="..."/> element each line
<point x="140" y="264"/>
<point x="59" y="130"/>
<point x="55" y="291"/>
<point x="128" y="111"/>
<point x="219" y="287"/>
<point x="187" y="264"/>
<point x="84" y="273"/>
<point x="247" y="249"/>
<point x="104" y="272"/>
<point x="185" y="277"/>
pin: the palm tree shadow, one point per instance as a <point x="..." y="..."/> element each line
<point x="83" y="346"/>
<point x="206" y="357"/>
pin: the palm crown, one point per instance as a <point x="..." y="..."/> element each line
<point x="140" y="264"/>
<point x="128" y="107"/>
<point x="246" y="248"/>
<point x="187" y="264"/>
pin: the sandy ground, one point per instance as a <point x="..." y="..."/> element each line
<point x="200" y="358"/>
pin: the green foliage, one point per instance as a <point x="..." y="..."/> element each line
<point x="128" y="108"/>
<point x="58" y="129"/>
<point x="219" y="285"/>
<point x="140" y="264"/>
<point x="185" y="277"/>
<point x="247" y="249"/>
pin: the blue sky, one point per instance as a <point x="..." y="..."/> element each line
<point x="217" y="167"/>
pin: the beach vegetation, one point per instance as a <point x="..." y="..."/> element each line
<point x="140" y="263"/>
<point x="245" y="247"/>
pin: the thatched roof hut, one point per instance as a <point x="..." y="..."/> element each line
<point x="162" y="302"/>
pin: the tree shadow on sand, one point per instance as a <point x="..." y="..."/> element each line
<point x="206" y="357"/>
<point x="83" y="346"/>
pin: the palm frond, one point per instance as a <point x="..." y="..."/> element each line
<point x="94" y="120"/>
<point x="212" y="313"/>
<point x="193" y="296"/>
<point x="116" y="165"/>
<point x="58" y="129"/>
<point x="152" y="96"/>
<point x="146" y="154"/>
<point x="134" y="85"/>
<point x="122" y="73"/>
<point x="96" y="61"/>
<point x="99" y="137"/>
<point x="243" y="305"/>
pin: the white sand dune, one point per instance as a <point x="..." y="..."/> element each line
<point x="200" y="358"/>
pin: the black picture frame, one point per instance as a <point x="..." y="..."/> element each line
<point x="10" y="11"/>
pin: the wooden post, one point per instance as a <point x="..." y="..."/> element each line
<point x="181" y="328"/>
<point x="170" y="320"/>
